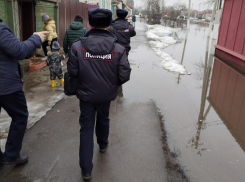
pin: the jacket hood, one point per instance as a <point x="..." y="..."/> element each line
<point x="120" y="24"/>
<point x="76" y="25"/>
<point x="99" y="42"/>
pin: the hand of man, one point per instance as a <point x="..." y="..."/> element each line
<point x="42" y="35"/>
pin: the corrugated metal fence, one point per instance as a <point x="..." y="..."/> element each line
<point x="68" y="9"/>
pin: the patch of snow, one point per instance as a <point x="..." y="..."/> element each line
<point x="2" y="144"/>
<point x="37" y="111"/>
<point x="40" y="96"/>
<point x="170" y="64"/>
<point x="161" y="37"/>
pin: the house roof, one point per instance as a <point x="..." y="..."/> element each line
<point x="208" y="11"/>
<point x="198" y="12"/>
<point x="130" y="4"/>
<point x="128" y="7"/>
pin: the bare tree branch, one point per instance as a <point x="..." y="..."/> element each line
<point x="152" y="7"/>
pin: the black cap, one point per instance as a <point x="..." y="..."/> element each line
<point x="1" y="20"/>
<point x="99" y="18"/>
<point x="78" y="18"/>
<point x="122" y="13"/>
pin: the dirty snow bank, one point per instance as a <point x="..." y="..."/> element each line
<point x="37" y="109"/>
<point x="160" y="38"/>
<point x="40" y="96"/>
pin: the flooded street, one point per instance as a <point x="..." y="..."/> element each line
<point x="206" y="150"/>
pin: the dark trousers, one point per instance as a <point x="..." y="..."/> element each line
<point x="87" y="122"/>
<point x="45" y="44"/>
<point x="54" y="73"/>
<point x="15" y="105"/>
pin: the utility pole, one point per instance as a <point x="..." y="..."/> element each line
<point x="162" y="9"/>
<point x="209" y="58"/>
<point x="199" y="10"/>
<point x="187" y="32"/>
<point x="188" y="27"/>
<point x="162" y="4"/>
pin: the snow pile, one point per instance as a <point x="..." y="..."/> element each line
<point x="170" y="64"/>
<point x="160" y="38"/>
<point x="37" y="109"/>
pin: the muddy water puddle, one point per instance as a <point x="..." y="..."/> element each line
<point x="211" y="148"/>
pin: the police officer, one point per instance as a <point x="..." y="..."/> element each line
<point x="12" y="97"/>
<point x="122" y="29"/>
<point x="101" y="66"/>
<point x="134" y="20"/>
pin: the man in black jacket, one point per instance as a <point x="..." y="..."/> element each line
<point x="12" y="97"/>
<point x="122" y="29"/>
<point x="101" y="66"/>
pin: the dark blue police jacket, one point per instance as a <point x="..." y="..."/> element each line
<point x="123" y="31"/>
<point x="101" y="66"/>
<point x="11" y="51"/>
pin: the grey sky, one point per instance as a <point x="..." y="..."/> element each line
<point x="195" y="3"/>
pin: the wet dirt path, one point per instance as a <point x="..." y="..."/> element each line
<point x="134" y="154"/>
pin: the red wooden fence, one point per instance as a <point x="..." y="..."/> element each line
<point x="68" y="9"/>
<point x="231" y="36"/>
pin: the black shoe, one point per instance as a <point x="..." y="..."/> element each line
<point x="21" y="160"/>
<point x="86" y="176"/>
<point x="104" y="150"/>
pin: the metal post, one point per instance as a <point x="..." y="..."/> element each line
<point x="188" y="27"/>
<point x="207" y="68"/>
<point x="187" y="32"/>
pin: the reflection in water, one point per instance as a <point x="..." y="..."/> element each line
<point x="201" y="125"/>
<point x="201" y="26"/>
<point x="227" y="97"/>
<point x="199" y="67"/>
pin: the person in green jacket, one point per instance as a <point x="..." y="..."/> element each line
<point x="74" y="32"/>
